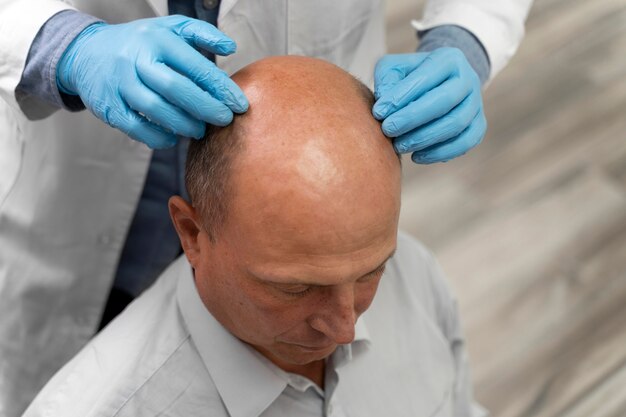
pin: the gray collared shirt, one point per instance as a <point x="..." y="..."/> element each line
<point x="166" y="355"/>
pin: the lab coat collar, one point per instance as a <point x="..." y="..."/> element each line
<point x="237" y="368"/>
<point x="225" y="7"/>
<point x="159" y="7"/>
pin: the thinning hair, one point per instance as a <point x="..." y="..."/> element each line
<point x="208" y="171"/>
<point x="209" y="167"/>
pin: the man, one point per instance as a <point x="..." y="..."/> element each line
<point x="84" y="226"/>
<point x="296" y="296"/>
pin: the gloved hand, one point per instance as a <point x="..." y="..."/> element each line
<point x="430" y="103"/>
<point x="148" y="79"/>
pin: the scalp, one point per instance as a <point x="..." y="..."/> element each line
<point x="312" y="147"/>
<point x="307" y="148"/>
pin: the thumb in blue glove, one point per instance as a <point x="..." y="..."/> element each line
<point x="430" y="103"/>
<point x="148" y="79"/>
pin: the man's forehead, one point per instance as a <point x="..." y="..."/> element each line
<point x="323" y="271"/>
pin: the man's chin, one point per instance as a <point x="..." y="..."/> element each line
<point x="303" y="355"/>
<point x="293" y="354"/>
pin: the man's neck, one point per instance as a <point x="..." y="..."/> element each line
<point x="314" y="371"/>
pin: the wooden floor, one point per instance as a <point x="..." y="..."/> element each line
<point x="531" y="226"/>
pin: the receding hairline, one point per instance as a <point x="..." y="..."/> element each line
<point x="210" y="163"/>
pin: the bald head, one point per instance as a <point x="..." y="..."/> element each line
<point x="307" y="147"/>
<point x="295" y="212"/>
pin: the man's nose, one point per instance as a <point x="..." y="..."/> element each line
<point x="337" y="317"/>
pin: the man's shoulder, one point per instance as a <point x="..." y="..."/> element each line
<point x="412" y="252"/>
<point x="417" y="267"/>
<point x="417" y="282"/>
<point x="133" y="366"/>
<point x="409" y="326"/>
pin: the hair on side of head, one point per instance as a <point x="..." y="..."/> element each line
<point x="207" y="174"/>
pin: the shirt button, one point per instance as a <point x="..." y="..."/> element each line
<point x="210" y="4"/>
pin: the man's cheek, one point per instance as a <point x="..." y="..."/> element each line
<point x="268" y="300"/>
<point x="280" y="318"/>
<point x="365" y="297"/>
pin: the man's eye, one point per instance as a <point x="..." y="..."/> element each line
<point x="297" y="290"/>
<point x="373" y="275"/>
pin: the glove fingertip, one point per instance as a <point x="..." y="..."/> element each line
<point x="242" y="106"/>
<point x="390" y="128"/>
<point x="379" y="110"/>
<point x="234" y="98"/>
<point x="223" y="119"/>
<point x="200" y="133"/>
<point x="423" y="159"/>
<point x="400" y="147"/>
<point x="225" y="46"/>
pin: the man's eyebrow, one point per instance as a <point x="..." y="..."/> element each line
<point x="272" y="280"/>
<point x="383" y="263"/>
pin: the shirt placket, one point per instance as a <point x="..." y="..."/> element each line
<point x="332" y="406"/>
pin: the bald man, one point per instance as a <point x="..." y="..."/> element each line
<point x="296" y="295"/>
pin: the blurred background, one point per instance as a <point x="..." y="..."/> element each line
<point x="530" y="227"/>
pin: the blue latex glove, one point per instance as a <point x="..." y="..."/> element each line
<point x="148" y="79"/>
<point x="430" y="103"/>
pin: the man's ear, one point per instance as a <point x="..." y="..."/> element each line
<point x="188" y="226"/>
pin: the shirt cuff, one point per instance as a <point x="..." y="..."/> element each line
<point x="39" y="76"/>
<point x="457" y="37"/>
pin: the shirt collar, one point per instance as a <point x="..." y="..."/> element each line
<point x="346" y="353"/>
<point x="237" y="368"/>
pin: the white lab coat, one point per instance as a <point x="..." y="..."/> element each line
<point x="69" y="184"/>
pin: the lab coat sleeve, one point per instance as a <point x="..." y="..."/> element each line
<point x="20" y="22"/>
<point x="457" y="37"/>
<point x="497" y="24"/>
<point x="37" y="93"/>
